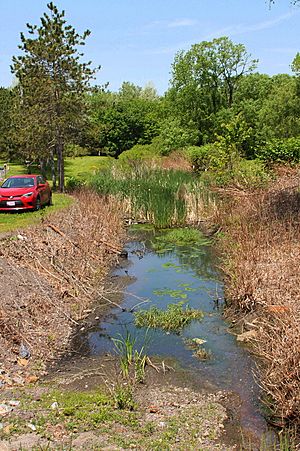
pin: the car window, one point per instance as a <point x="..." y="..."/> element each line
<point x="18" y="182"/>
<point x="41" y="179"/>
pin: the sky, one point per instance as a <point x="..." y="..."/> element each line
<point x="136" y="40"/>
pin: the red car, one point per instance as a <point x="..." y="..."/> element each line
<point x="24" y="192"/>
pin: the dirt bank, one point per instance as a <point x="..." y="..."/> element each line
<point x="261" y="248"/>
<point x="49" y="274"/>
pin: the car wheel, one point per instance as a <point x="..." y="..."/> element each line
<point x="49" y="203"/>
<point x="38" y="204"/>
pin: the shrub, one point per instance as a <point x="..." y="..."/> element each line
<point x="243" y="174"/>
<point x="280" y="150"/>
<point x="140" y="152"/>
<point x="73" y="183"/>
<point x="174" y="136"/>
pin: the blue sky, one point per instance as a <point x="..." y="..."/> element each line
<point x="136" y="40"/>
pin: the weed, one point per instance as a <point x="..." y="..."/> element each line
<point x="174" y="319"/>
<point x="130" y="357"/>
<point x="125" y="349"/>
<point x="123" y="397"/>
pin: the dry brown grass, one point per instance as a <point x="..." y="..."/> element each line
<point x="262" y="249"/>
<point x="50" y="275"/>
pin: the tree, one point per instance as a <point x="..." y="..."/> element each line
<point x="120" y="120"/>
<point x="52" y="82"/>
<point x="205" y="78"/>
<point x="6" y="103"/>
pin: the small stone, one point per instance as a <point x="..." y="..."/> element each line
<point x="31" y="426"/>
<point x="161" y="424"/>
<point x="54" y="405"/>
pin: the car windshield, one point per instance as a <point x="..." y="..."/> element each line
<point x="18" y="182"/>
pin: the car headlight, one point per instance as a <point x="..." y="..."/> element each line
<point x="28" y="194"/>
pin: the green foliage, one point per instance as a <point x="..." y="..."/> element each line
<point x="6" y="106"/>
<point x="119" y="121"/>
<point x="123" y="397"/>
<point x="174" y="319"/>
<point x="174" y="136"/>
<point x="205" y="79"/>
<point x="244" y="174"/>
<point x="280" y="150"/>
<point x="74" y="183"/>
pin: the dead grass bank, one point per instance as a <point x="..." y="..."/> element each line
<point x="261" y="245"/>
<point x="50" y="273"/>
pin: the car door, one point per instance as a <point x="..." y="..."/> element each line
<point x="42" y="189"/>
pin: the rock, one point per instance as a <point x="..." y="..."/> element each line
<point x="24" y="352"/>
<point x="247" y="336"/>
<point x="54" y="405"/>
<point x="31" y="426"/>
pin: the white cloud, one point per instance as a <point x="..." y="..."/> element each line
<point x="242" y="28"/>
<point x="181" y="23"/>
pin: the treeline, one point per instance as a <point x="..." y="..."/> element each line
<point x="217" y="106"/>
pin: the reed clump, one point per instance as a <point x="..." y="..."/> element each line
<point x="163" y="197"/>
<point x="261" y="248"/>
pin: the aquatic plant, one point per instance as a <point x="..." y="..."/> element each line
<point x="130" y="356"/>
<point x="173" y="319"/>
<point x="124" y="346"/>
<point x="164" y="198"/>
<point x="183" y="237"/>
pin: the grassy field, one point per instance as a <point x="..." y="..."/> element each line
<point x="82" y="167"/>
<point x="15" y="221"/>
<point x="79" y="167"/>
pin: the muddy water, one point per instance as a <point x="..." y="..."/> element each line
<point x="182" y="274"/>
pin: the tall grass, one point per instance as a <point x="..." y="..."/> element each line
<point x="261" y="242"/>
<point x="165" y="198"/>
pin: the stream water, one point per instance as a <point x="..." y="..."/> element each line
<point x="186" y="274"/>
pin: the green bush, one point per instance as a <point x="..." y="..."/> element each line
<point x="280" y="150"/>
<point x="140" y="152"/>
<point x="210" y="157"/>
<point x="243" y="174"/>
<point x="73" y="183"/>
<point x="174" y="136"/>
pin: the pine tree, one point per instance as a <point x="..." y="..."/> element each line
<point x="52" y="83"/>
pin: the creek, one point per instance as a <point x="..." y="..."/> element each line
<point x="170" y="275"/>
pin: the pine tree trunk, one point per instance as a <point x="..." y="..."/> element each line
<point x="53" y="172"/>
<point x="60" y="166"/>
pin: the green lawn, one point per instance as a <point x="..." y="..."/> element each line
<point x="82" y="167"/>
<point x="79" y="167"/>
<point x="15" y="221"/>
